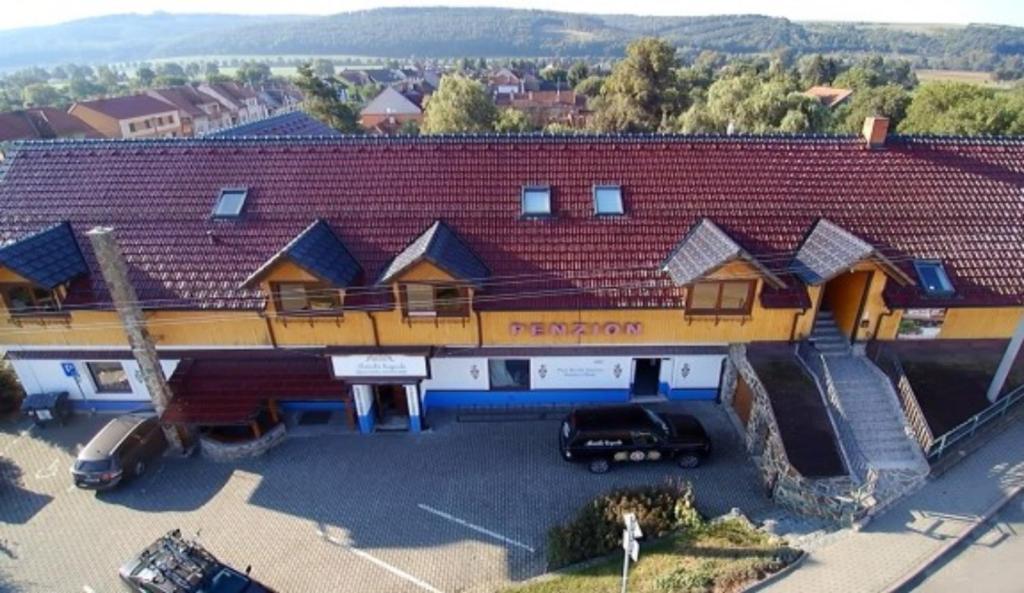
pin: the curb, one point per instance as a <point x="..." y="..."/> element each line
<point x="774" y="578"/>
<point x="933" y="558"/>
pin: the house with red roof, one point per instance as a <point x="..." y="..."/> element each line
<point x="42" y="123"/>
<point x="200" y="113"/>
<point x="382" y="278"/>
<point x="242" y="103"/>
<point x="131" y="116"/>
<point x="830" y="97"/>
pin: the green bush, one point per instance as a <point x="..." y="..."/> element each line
<point x="688" y="580"/>
<point x="597" y="528"/>
<point x="11" y="392"/>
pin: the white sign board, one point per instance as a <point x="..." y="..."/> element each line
<point x="379" y="365"/>
<point x="580" y="372"/>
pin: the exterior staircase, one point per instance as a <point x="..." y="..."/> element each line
<point x="881" y="451"/>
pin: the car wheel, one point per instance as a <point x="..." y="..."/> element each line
<point x="599" y="466"/>
<point x="688" y="461"/>
<point x="140" y="466"/>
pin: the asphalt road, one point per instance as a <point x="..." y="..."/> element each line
<point x="992" y="561"/>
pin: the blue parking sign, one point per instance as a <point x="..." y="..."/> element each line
<point x="70" y="370"/>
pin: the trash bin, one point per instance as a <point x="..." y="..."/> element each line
<point x="47" y="407"/>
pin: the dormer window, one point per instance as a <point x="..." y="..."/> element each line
<point x="536" y="200"/>
<point x="306" y="298"/>
<point x="933" y="278"/>
<point x="435" y="300"/>
<point x="25" y="299"/>
<point x="230" y="202"/>
<point x="608" y="200"/>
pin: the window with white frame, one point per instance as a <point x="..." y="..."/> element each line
<point x="509" y="374"/>
<point x="109" y="377"/>
<point x="608" y="200"/>
<point x="536" y="200"/>
<point x="230" y="202"/>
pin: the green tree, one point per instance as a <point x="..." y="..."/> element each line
<point x="961" y="108"/>
<point x="560" y="128"/>
<point x="193" y="70"/>
<point x="40" y="94"/>
<point x="210" y="70"/>
<point x="322" y="101"/>
<point x="817" y="70"/>
<point x="323" y="67"/>
<point x="253" y="73"/>
<point x="145" y="76"/>
<point x="590" y="86"/>
<point x="107" y="77"/>
<point x="170" y="69"/>
<point x="641" y="91"/>
<point x="82" y="88"/>
<point x="889" y="101"/>
<point x="512" y="121"/>
<point x="164" y="81"/>
<point x="578" y="72"/>
<point x="459" y="105"/>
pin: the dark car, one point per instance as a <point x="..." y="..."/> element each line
<point x="121" y="449"/>
<point x="602" y="436"/>
<point x="173" y="564"/>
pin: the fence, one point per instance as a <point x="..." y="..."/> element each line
<point x="890" y="364"/>
<point x="971" y="425"/>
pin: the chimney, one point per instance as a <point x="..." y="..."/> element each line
<point x="875" y="130"/>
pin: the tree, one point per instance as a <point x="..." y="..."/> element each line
<point x="210" y="70"/>
<point x="193" y="70"/>
<point x="322" y="101"/>
<point x="164" y="81"/>
<point x="323" y="68"/>
<point x="459" y="105"/>
<point x="641" y="91"/>
<point x="889" y="101"/>
<point x="961" y="108"/>
<point x="107" y="77"/>
<point x="560" y="128"/>
<point x="170" y="69"/>
<point x="590" y="86"/>
<point x="252" y="73"/>
<point x="578" y="72"/>
<point x="40" y="94"/>
<point x="82" y="88"/>
<point x="145" y="76"/>
<point x="745" y="103"/>
<point x="817" y="70"/>
<point x="513" y="121"/>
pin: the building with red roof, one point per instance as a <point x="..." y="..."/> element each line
<point x="43" y="123"/>
<point x="131" y="116"/>
<point x="503" y="270"/>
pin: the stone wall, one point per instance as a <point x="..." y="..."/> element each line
<point x="835" y="498"/>
<point x="220" y="451"/>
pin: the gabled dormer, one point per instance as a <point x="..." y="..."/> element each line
<point x="721" y="278"/>
<point x="309" y="275"/>
<point x="436" y="275"/>
<point x="36" y="270"/>
<point x="830" y="250"/>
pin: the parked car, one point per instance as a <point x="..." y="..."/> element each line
<point x="173" y="564"/>
<point x="121" y="449"/>
<point x="602" y="436"/>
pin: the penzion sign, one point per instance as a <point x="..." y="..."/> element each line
<point x="575" y="328"/>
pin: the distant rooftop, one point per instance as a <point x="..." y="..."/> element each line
<point x="294" y="123"/>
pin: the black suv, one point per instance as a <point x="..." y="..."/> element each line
<point x="601" y="436"/>
<point x="173" y="564"/>
<point x="121" y="448"/>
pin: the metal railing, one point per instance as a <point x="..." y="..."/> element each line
<point x="891" y="366"/>
<point x="969" y="427"/>
<point x="855" y="460"/>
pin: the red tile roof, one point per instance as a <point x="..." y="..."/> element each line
<point x="827" y="95"/>
<point x="15" y="125"/>
<point x="128" y="106"/>
<point x="43" y="123"/>
<point x="958" y="200"/>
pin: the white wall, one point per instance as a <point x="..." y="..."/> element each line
<point x="694" y="372"/>
<point x="48" y="375"/>
<point x="581" y="372"/>
<point x="457" y="374"/>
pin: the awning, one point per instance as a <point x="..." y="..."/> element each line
<point x="232" y="389"/>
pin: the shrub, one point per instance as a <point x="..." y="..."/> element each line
<point x="688" y="580"/>
<point x="11" y="392"/>
<point x="597" y="528"/>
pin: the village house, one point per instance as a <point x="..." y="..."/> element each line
<point x="367" y="282"/>
<point x="389" y="110"/>
<point x="830" y="97"/>
<point x="547" y="107"/>
<point x="242" y="103"/>
<point x="288" y="123"/>
<point x="132" y="116"/>
<point x="200" y="113"/>
<point x="42" y="123"/>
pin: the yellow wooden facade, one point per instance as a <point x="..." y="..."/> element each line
<point x="269" y="328"/>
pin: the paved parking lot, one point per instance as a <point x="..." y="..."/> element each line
<point x="463" y="507"/>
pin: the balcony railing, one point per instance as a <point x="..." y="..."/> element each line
<point x="969" y="427"/>
<point x="890" y="365"/>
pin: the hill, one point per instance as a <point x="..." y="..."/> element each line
<point x="453" y="32"/>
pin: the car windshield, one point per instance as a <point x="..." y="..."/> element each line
<point x="655" y="418"/>
<point x="100" y="465"/>
<point x="226" y="581"/>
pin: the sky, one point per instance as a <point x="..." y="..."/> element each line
<point x="1008" y="12"/>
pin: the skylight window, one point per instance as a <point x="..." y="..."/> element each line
<point x="933" y="277"/>
<point x="536" y="201"/>
<point x="608" y="200"/>
<point x="230" y="202"/>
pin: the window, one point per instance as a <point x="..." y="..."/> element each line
<point x="170" y="119"/>
<point x="25" y="299"/>
<point x="230" y="202"/>
<point x="608" y="200"/>
<point x="432" y="300"/>
<point x="306" y="297"/>
<point x="131" y="127"/>
<point x="536" y="201"/>
<point x="109" y="377"/>
<point x="509" y="374"/>
<point x="933" y="278"/>
<point x="160" y="121"/>
<point x="730" y="297"/>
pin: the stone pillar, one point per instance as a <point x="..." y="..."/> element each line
<point x="126" y="303"/>
<point x="412" y="395"/>
<point x="363" y="396"/>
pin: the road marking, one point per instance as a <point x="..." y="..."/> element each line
<point x="87" y="589"/>
<point x="13" y="442"/>
<point x="477" y="528"/>
<point x="393" y="570"/>
<point x="48" y="471"/>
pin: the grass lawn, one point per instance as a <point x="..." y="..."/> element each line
<point x="968" y="76"/>
<point x="722" y="558"/>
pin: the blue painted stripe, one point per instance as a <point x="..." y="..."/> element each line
<point x="414" y="424"/>
<point x="307" y="406"/>
<point x="101" y="405"/>
<point x="451" y="399"/>
<point x="366" y="424"/>
<point x="709" y="393"/>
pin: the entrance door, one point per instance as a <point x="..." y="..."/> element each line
<point x="392" y="407"/>
<point x="844" y="297"/>
<point x="646" y="376"/>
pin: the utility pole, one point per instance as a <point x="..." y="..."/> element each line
<point x="1003" y="371"/>
<point x="126" y="303"/>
